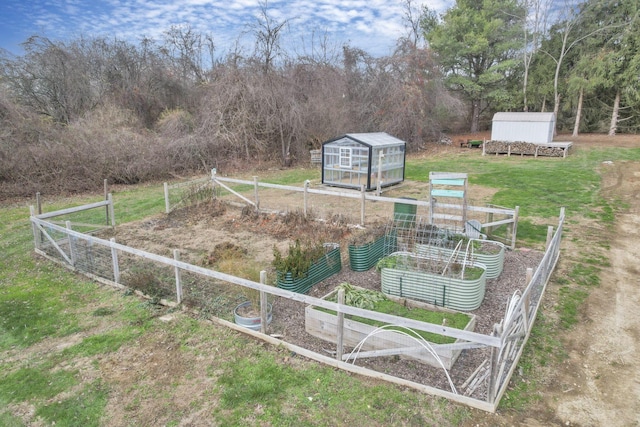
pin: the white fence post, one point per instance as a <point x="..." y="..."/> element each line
<point x="167" y="206"/>
<point x="263" y="304"/>
<point x="72" y="249"/>
<point x="107" y="210"/>
<point x="114" y="262"/>
<point x="363" y="192"/>
<point x="111" y="210"/>
<point x="37" y="236"/>
<point x="549" y="237"/>
<point x="255" y="192"/>
<point x="176" y="256"/>
<point x="306" y="195"/>
<point x="514" y="227"/>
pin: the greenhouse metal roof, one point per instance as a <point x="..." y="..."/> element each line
<point x="372" y="139"/>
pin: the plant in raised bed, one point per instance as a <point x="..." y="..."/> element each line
<point x="305" y="265"/>
<point x="298" y="259"/>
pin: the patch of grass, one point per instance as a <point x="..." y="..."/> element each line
<point x="530" y="234"/>
<point x="103" y="343"/>
<point x="8" y="420"/>
<point x="34" y="382"/>
<point x="33" y="308"/>
<point x="260" y="381"/>
<point x="261" y="389"/>
<point x="569" y="302"/>
<point x="83" y="409"/>
<point x="585" y="274"/>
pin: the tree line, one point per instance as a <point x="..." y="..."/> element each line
<point x="73" y="113"/>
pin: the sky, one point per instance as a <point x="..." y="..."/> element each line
<point x="371" y="25"/>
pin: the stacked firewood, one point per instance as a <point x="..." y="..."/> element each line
<point x="550" y="151"/>
<point x="521" y="148"/>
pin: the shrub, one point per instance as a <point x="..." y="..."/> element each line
<point x="299" y="258"/>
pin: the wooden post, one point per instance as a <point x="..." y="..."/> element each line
<point x="379" y="187"/>
<point x="514" y="227"/>
<point x="549" y="237"/>
<point x="176" y="256"/>
<point x="489" y="221"/>
<point x="106" y="197"/>
<point x="112" y="214"/>
<point x="255" y="192"/>
<point x="72" y="250"/>
<point x="167" y="205"/>
<point x="213" y="181"/>
<point x="114" y="261"/>
<point x="263" y="304"/>
<point x="363" y="199"/>
<point x="525" y="301"/>
<point x="484" y="142"/>
<point x="37" y="233"/>
<point x="38" y="203"/>
<point x="340" y="331"/>
<point x="37" y="236"/>
<point x="306" y="195"/>
<point x="493" y="369"/>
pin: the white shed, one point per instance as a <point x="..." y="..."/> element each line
<point x="523" y="127"/>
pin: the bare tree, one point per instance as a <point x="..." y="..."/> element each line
<point x="411" y="20"/>
<point x="268" y="33"/>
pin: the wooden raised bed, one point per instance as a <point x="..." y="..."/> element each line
<point x="324" y="325"/>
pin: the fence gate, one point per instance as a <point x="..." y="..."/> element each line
<point x="448" y="198"/>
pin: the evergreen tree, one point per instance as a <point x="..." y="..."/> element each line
<point x="478" y="43"/>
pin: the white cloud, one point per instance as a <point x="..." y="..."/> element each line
<point x="367" y="24"/>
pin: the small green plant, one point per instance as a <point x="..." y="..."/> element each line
<point x="360" y="297"/>
<point x="390" y="261"/>
<point x="299" y="258"/>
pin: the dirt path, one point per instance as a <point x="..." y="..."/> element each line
<point x="603" y="385"/>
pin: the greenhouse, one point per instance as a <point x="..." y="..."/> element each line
<point x="372" y="160"/>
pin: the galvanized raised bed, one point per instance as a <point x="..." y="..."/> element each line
<point x="326" y="266"/>
<point x="447" y="291"/>
<point x="493" y="259"/>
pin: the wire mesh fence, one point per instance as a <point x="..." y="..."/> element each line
<point x="461" y="359"/>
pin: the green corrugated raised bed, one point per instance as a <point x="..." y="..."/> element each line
<point x="363" y="257"/>
<point x="493" y="260"/>
<point x="450" y="292"/>
<point x="326" y="266"/>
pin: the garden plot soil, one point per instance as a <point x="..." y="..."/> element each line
<point x="198" y="230"/>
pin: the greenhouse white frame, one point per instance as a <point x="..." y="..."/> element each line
<point x="373" y="160"/>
